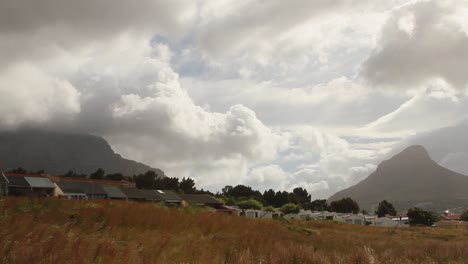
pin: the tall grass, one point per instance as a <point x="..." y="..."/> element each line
<point x="55" y="231"/>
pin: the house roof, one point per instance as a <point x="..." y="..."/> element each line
<point x="39" y="182"/>
<point x="169" y="196"/>
<point x="88" y="188"/>
<point x="200" y="199"/>
<point x="132" y="193"/>
<point x="452" y="216"/>
<point x="151" y="195"/>
<point x="114" y="192"/>
<point x="17" y="181"/>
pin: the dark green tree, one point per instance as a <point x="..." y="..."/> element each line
<point x="187" y="186"/>
<point x="385" y="208"/>
<point x="269" y="197"/>
<point x="319" y="205"/>
<point x="166" y="183"/>
<point x="146" y="180"/>
<point x="418" y="216"/>
<point x="281" y="198"/>
<point x="345" y="205"/>
<point x="301" y="195"/>
<point x="98" y="174"/>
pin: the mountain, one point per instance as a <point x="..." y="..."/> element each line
<point x="57" y="153"/>
<point x="410" y="178"/>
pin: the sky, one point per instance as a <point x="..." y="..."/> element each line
<point x="267" y="93"/>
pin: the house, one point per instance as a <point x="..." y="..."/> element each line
<point x="169" y="197"/>
<point x="152" y="196"/>
<point x="385" y="222"/>
<point x="447" y="216"/>
<point x="356" y="219"/>
<point x="82" y="190"/>
<point x="28" y="184"/>
<point x="114" y="193"/>
<point x="133" y="194"/>
<point x="402" y="220"/>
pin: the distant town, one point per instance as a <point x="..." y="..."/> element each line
<point x="237" y="200"/>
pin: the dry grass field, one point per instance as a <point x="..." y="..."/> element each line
<point x="59" y="231"/>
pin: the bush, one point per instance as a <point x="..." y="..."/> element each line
<point x="290" y="208"/>
<point x="250" y="204"/>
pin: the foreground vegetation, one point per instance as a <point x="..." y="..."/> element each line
<point x="55" y="231"/>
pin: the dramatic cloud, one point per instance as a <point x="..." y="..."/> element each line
<point x="273" y="94"/>
<point x="421" y="41"/>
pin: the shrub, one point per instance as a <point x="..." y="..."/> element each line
<point x="290" y="208"/>
<point x="250" y="204"/>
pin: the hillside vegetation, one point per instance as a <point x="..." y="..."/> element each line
<point x="58" y="231"/>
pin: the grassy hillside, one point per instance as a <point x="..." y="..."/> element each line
<point x="55" y="231"/>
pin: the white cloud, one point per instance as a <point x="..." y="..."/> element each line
<point x="421" y="41"/>
<point x="28" y="95"/>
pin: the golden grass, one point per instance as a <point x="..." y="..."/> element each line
<point x="57" y="231"/>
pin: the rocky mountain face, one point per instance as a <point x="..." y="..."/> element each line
<point x="410" y="178"/>
<point x="57" y="153"/>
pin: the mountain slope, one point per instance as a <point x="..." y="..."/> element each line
<point x="408" y="179"/>
<point x="57" y="153"/>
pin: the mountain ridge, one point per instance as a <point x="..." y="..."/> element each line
<point x="59" y="152"/>
<point x="407" y="179"/>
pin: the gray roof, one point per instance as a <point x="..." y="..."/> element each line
<point x="39" y="182"/>
<point x="114" y="192"/>
<point x="88" y="188"/>
<point x="200" y="199"/>
<point x="151" y="195"/>
<point x="169" y="196"/>
<point x="133" y="193"/>
<point x="17" y="181"/>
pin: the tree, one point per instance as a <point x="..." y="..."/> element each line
<point x="464" y="216"/>
<point x="250" y="204"/>
<point x="290" y="208"/>
<point x="418" y="216"/>
<point x="319" y="205"/>
<point x="187" y="186"/>
<point x="98" y="174"/>
<point x="166" y="183"/>
<point x="269" y="197"/>
<point x="385" y="208"/>
<point x="146" y="180"/>
<point x="301" y="196"/>
<point x="281" y="198"/>
<point x="345" y="205"/>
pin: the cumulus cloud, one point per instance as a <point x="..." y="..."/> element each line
<point x="28" y="95"/>
<point x="421" y="41"/>
<point x="265" y="93"/>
